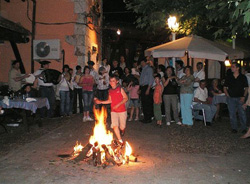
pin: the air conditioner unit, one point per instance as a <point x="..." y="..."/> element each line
<point x="46" y="49"/>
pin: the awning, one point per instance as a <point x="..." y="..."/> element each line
<point x="194" y="46"/>
<point x="12" y="31"/>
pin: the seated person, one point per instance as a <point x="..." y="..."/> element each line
<point x="29" y="91"/>
<point x="201" y="102"/>
<point x="214" y="90"/>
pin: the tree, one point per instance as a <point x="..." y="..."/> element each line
<point x="234" y="13"/>
<point x="222" y="17"/>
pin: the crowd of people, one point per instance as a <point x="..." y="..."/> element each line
<point x="144" y="89"/>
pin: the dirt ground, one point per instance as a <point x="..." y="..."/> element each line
<point x="171" y="154"/>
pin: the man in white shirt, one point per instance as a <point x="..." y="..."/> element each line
<point x="179" y="68"/>
<point x="46" y="90"/>
<point x="199" y="74"/>
<point x="15" y="76"/>
<point x="201" y="102"/>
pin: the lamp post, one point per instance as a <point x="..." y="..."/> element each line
<point x="118" y="32"/>
<point x="173" y="26"/>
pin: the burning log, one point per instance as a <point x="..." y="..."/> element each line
<point x="114" y="145"/>
<point x="108" y="157"/>
<point x="132" y="158"/>
<point x="94" y="156"/>
<point x="105" y="164"/>
<point x="83" y="153"/>
<point x="102" y="149"/>
<point x="99" y="157"/>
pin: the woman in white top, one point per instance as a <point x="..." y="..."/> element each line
<point x="102" y="84"/>
<point x="64" y="91"/>
<point x="105" y="64"/>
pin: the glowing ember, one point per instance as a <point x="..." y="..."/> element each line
<point x="102" y="149"/>
<point x="77" y="148"/>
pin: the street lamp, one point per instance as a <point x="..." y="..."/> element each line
<point x="118" y="32"/>
<point x="173" y="26"/>
<point x="227" y="63"/>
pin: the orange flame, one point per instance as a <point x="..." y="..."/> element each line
<point x="101" y="134"/>
<point x="78" y="148"/>
<point x="128" y="151"/>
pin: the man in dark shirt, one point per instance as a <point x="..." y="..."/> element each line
<point x="115" y="69"/>
<point x="146" y="82"/>
<point x="235" y="88"/>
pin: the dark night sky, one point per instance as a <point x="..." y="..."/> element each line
<point x="121" y="15"/>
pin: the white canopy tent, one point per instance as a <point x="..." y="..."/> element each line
<point x="232" y="53"/>
<point x="193" y="46"/>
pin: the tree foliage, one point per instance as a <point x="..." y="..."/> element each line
<point x="221" y="17"/>
<point x="234" y="13"/>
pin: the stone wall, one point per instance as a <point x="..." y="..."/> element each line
<point x="87" y="33"/>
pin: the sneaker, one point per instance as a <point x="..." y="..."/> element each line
<point x="168" y="123"/>
<point x="172" y="121"/>
<point x="179" y="123"/>
<point x="89" y="119"/>
<point x="84" y="119"/>
<point x="136" y="119"/>
<point x="130" y="119"/>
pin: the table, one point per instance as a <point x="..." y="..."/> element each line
<point x="217" y="99"/>
<point x="24" y="106"/>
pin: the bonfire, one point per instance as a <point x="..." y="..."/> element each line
<point x="102" y="149"/>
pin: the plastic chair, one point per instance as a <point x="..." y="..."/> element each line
<point x="203" y="114"/>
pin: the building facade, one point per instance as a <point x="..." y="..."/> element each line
<point x="75" y="23"/>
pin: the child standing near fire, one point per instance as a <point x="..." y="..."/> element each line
<point x="117" y="99"/>
<point x="158" y="100"/>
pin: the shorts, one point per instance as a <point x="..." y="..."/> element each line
<point x="134" y="103"/>
<point x="119" y="119"/>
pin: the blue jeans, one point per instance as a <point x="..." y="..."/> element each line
<point x="209" y="109"/>
<point x="186" y="111"/>
<point x="65" y="103"/>
<point x="87" y="99"/>
<point x="235" y="105"/>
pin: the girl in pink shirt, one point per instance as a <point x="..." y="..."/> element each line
<point x="134" y="100"/>
<point x="87" y="82"/>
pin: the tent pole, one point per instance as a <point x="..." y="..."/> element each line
<point x="206" y="69"/>
<point x="187" y="59"/>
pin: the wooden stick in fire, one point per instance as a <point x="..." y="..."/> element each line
<point x="108" y="157"/>
<point x="132" y="158"/>
<point x="83" y="153"/>
<point x="99" y="157"/>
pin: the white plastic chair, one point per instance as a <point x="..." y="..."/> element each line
<point x="203" y="114"/>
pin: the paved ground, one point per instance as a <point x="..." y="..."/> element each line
<point x="166" y="155"/>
